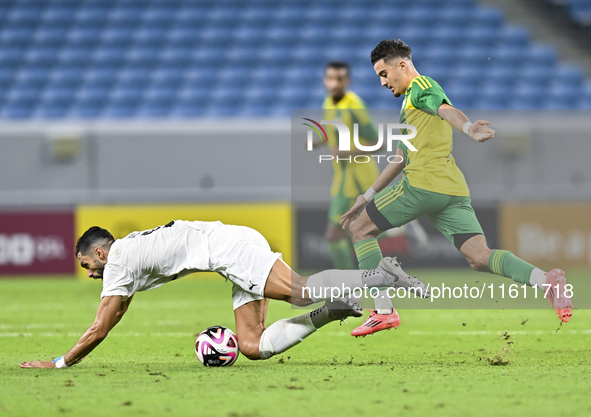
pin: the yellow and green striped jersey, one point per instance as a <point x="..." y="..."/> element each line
<point x="432" y="167"/>
<point x="351" y="179"/>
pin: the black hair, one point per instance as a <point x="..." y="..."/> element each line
<point x="339" y="65"/>
<point x="390" y="49"/>
<point x="95" y="236"/>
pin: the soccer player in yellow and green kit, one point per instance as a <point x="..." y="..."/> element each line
<point x="432" y="185"/>
<point x="349" y="178"/>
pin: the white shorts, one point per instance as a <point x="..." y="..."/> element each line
<point x="243" y="256"/>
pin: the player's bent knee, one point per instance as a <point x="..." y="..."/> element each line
<point x="249" y="347"/>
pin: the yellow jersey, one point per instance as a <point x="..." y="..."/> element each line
<point x="432" y="167"/>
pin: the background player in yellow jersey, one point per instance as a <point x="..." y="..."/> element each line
<point x="432" y="185"/>
<point x="349" y="179"/>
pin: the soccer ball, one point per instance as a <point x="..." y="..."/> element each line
<point x="217" y="346"/>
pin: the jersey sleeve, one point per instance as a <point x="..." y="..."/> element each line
<point x="117" y="280"/>
<point x="368" y="134"/>
<point x="427" y="95"/>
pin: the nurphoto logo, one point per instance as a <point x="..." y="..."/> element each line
<point x="344" y="140"/>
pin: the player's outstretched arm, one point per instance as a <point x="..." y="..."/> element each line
<point x="479" y="130"/>
<point x="103" y="323"/>
<point x="391" y="171"/>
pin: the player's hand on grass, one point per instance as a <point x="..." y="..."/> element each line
<point x="38" y="364"/>
<point x="479" y="131"/>
<point x="348" y="217"/>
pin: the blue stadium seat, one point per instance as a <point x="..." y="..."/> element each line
<point x="452" y="35"/>
<point x="58" y="16"/>
<point x="149" y="37"/>
<point x="506" y="54"/>
<point x="443" y="56"/>
<point x="256" y="15"/>
<point x="481" y="36"/>
<point x="269" y="75"/>
<point x="158" y="16"/>
<point x="41" y="56"/>
<point x="541" y="56"/>
<point x="513" y="36"/>
<point x="486" y="17"/>
<point x="50" y="111"/>
<point x="16" y="111"/>
<point x="189" y="17"/>
<point x="126" y="96"/>
<point x="569" y="75"/>
<point x="24" y="16"/>
<point x="133" y="77"/>
<point x="244" y="57"/>
<point x="16" y="37"/>
<point x="35" y="77"/>
<point x="22" y="96"/>
<point x="83" y="36"/>
<point x="100" y="77"/>
<point x="124" y="17"/>
<point x="54" y="37"/>
<point x="83" y="112"/>
<point x="69" y="77"/>
<point x="11" y="57"/>
<point x="144" y="57"/>
<point x="6" y="77"/>
<point x="160" y="95"/>
<point x="419" y="15"/>
<point x="153" y="110"/>
<point x="454" y="16"/>
<point x="74" y="57"/>
<point x="91" y="16"/>
<point x="528" y="92"/>
<point x="112" y="37"/>
<point x="538" y="75"/>
<point x="119" y="111"/>
<point x="167" y="77"/>
<point x="175" y="56"/>
<point x="281" y="35"/>
<point x="278" y="55"/>
<point x="183" y="36"/>
<point x="58" y="96"/>
<point x="94" y="96"/>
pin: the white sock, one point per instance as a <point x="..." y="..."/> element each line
<point x="383" y="304"/>
<point x="333" y="283"/>
<point x="284" y="334"/>
<point x="537" y="278"/>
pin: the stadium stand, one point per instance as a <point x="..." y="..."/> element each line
<point x="190" y="58"/>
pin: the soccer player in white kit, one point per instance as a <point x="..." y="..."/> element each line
<point x="145" y="260"/>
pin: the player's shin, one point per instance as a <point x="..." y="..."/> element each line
<point x="284" y="334"/>
<point x="506" y="264"/>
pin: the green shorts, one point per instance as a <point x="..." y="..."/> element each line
<point x="402" y="203"/>
<point x="339" y="205"/>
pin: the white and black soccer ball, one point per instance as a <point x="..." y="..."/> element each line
<point x="217" y="346"/>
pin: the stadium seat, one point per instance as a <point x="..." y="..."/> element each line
<point x="116" y="37"/>
<point x="178" y="58"/>
<point x="540" y="56"/>
<point x="124" y="17"/>
<point x="35" y="77"/>
<point x="24" y="16"/>
<point x="83" y="36"/>
<point x="54" y="37"/>
<point x="19" y="37"/>
<point x="57" y="16"/>
<point x="513" y="36"/>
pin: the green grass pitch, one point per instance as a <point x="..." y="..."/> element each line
<point x="468" y="362"/>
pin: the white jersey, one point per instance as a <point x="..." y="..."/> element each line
<point x="145" y="260"/>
